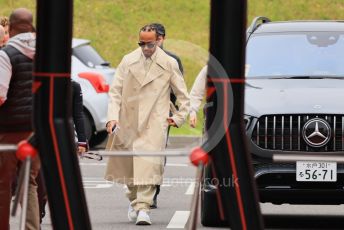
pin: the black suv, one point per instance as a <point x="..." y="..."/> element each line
<point x="293" y="106"/>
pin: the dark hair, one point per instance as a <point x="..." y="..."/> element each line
<point x="21" y="21"/>
<point x="160" y="29"/>
<point x="149" y="28"/>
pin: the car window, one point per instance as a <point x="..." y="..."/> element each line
<point x="307" y="54"/>
<point x="88" y="55"/>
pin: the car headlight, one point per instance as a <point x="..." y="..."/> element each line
<point x="247" y="121"/>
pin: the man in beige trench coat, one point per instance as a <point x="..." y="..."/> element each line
<point x="139" y="105"/>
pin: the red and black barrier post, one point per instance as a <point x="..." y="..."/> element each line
<point x="25" y="152"/>
<point x="228" y="152"/>
<point x="52" y="114"/>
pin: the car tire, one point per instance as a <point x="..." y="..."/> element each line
<point x="210" y="216"/>
<point x="89" y="127"/>
<point x="98" y="138"/>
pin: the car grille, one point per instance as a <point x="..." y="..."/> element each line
<point x="284" y="132"/>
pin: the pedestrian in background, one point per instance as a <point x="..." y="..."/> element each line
<point x="197" y="94"/>
<point x="16" y="104"/>
<point x="140" y="106"/>
<point x="2" y="36"/>
<point x="78" y="118"/>
<point x="4" y="22"/>
<point x="160" y="29"/>
<point x="82" y="142"/>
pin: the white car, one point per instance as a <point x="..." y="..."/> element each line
<point x="95" y="75"/>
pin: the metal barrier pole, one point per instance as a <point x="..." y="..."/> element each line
<point x="19" y="191"/>
<point x="199" y="158"/>
<point x="98" y="155"/>
<point x="311" y="157"/>
<point x="24" y="151"/>
<point x="27" y="166"/>
<point x="192" y="222"/>
<point x="22" y="192"/>
<point x="8" y="148"/>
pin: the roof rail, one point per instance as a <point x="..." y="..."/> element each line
<point x="257" y="21"/>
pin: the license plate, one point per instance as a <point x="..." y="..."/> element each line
<point x="316" y="171"/>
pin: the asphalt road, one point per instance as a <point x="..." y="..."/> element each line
<point x="108" y="206"/>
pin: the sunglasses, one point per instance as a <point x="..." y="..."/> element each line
<point x="150" y="45"/>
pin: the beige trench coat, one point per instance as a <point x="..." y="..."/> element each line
<point x="198" y="90"/>
<point x="141" y="105"/>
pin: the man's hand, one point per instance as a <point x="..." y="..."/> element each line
<point x="193" y="120"/>
<point x="1" y="101"/>
<point x="110" y="125"/>
<point x="81" y="150"/>
<point x="171" y="122"/>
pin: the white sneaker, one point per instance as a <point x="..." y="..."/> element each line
<point x="143" y="218"/>
<point x="132" y="214"/>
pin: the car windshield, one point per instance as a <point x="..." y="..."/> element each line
<point x="318" y="54"/>
<point x="89" y="56"/>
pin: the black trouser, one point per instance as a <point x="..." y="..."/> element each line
<point x="158" y="186"/>
<point x="42" y="195"/>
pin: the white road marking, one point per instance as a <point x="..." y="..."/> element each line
<point x="166" y="185"/>
<point x="97" y="184"/>
<point x="179" y="219"/>
<point x="177" y="165"/>
<point x="91" y="178"/>
<point x="104" y="185"/>
<point x="92" y="164"/>
<point x="191" y="189"/>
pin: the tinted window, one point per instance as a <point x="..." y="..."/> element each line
<point x="87" y="55"/>
<point x="308" y="54"/>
